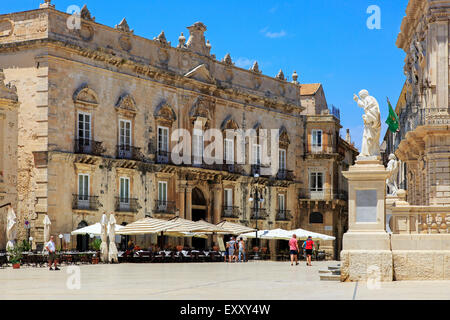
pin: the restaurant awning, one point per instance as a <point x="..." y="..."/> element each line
<point x="233" y="228"/>
<point x="276" y="234"/>
<point x="95" y="229"/>
<point x="190" y="226"/>
<point x="147" y="226"/>
<point x="303" y="234"/>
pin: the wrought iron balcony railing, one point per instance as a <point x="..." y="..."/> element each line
<point x="323" y="194"/>
<point x="230" y="212"/>
<point x="167" y="207"/>
<point x="127" y="205"/>
<point x="129" y="152"/>
<point x="284" y="174"/>
<point x="163" y="157"/>
<point x="258" y="214"/>
<point x="83" y="202"/>
<point x="283" y="215"/>
<point x="86" y="146"/>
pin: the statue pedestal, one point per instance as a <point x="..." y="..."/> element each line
<point x="366" y="250"/>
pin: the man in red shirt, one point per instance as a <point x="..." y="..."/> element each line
<point x="293" y="247"/>
<point x="308" y="246"/>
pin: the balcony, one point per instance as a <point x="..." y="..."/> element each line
<point x="324" y="194"/>
<point x="83" y="202"/>
<point x="424" y="220"/>
<point x="230" y="212"/>
<point x="85" y="146"/>
<point x="284" y="174"/>
<point x="129" y="152"/>
<point x="127" y="205"/>
<point x="165" y="207"/>
<point x="163" y="157"/>
<point x="283" y="215"/>
<point x="258" y="214"/>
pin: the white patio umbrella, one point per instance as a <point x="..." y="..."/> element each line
<point x="304" y="234"/>
<point x="95" y="229"/>
<point x="10" y="228"/>
<point x="47" y="224"/>
<point x="234" y="228"/>
<point x="104" y="237"/>
<point x="112" y="254"/>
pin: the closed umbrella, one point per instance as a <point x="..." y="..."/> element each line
<point x="47" y="224"/>
<point x="10" y="228"/>
<point x="104" y="235"/>
<point x="112" y="255"/>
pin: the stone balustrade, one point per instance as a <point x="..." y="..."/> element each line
<point x="420" y="220"/>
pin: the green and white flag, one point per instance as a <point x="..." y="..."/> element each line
<point x="393" y="122"/>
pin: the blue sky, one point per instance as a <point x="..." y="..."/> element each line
<point x="325" y="41"/>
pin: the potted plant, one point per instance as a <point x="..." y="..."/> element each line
<point x="15" y="256"/>
<point x="95" y="246"/>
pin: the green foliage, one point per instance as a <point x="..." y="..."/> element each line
<point x="26" y="246"/>
<point x="15" y="254"/>
<point x="96" y="244"/>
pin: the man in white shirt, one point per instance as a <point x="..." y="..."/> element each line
<point x="51" y="248"/>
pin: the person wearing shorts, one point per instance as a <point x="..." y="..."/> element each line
<point x="309" y="246"/>
<point x="227" y="252"/>
<point x="51" y="248"/>
<point x="293" y="247"/>
<point x="232" y="246"/>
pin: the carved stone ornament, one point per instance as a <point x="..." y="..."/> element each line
<point x="227" y="59"/>
<point x="6" y="28"/>
<point x="181" y="41"/>
<point x="165" y="113"/>
<point x="86" y="14"/>
<point x="200" y="73"/>
<point x="161" y="39"/>
<point x="284" y="138"/>
<point x="124" y="27"/>
<point x="280" y="75"/>
<point x="255" y="68"/>
<point x="86" y="96"/>
<point x="126" y="104"/>
<point x="201" y="111"/>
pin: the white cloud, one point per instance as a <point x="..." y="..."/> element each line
<point x="273" y="35"/>
<point x="243" y="62"/>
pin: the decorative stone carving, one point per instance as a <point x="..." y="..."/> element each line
<point x="227" y="59"/>
<point x="86" y="14"/>
<point x="201" y="111"/>
<point x="280" y="75"/>
<point x="200" y="73"/>
<point x="86" y="96"/>
<point x="126" y="105"/>
<point x="8" y="92"/>
<point x="229" y="124"/>
<point x="393" y="168"/>
<point x="124" y="27"/>
<point x="6" y="28"/>
<point x="46" y="4"/>
<point x="372" y="124"/>
<point x="161" y="39"/>
<point x="255" y="67"/>
<point x="181" y="41"/>
<point x="295" y="77"/>
<point x="165" y="113"/>
<point x="284" y="138"/>
<point x="196" y="41"/>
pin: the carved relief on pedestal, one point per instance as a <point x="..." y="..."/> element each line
<point x="6" y="28"/>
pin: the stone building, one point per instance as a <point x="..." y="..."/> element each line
<point x="421" y="215"/>
<point x="99" y="106"/>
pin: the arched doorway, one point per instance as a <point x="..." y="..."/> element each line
<point x="82" y="239"/>
<point x="124" y="240"/>
<point x="199" y="212"/>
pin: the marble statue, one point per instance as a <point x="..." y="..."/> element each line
<point x="391" y="181"/>
<point x="372" y="124"/>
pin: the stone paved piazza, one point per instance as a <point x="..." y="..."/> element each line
<point x="254" y="280"/>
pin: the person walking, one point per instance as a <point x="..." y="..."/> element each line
<point x="242" y="250"/>
<point x="231" y="249"/>
<point x="51" y="248"/>
<point x="227" y="253"/>
<point x="308" y="245"/>
<point x="293" y="247"/>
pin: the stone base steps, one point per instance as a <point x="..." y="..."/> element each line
<point x="333" y="273"/>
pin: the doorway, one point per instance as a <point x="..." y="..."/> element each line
<point x="82" y="239"/>
<point x="199" y="212"/>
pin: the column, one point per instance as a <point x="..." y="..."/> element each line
<point x="188" y="211"/>
<point x="218" y="201"/>
<point x="181" y="190"/>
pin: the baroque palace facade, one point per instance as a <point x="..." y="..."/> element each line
<point x="96" y="107"/>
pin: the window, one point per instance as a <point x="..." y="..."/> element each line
<point x="162" y="192"/>
<point x="125" y="190"/>
<point x="125" y="133"/>
<point x="282" y="159"/>
<point x="281" y="202"/>
<point x="316" y="140"/>
<point x="83" y="187"/>
<point x="163" y="139"/>
<point x="315" y="217"/>
<point x="84" y="128"/>
<point x="256" y="154"/>
<point x="229" y="151"/>
<point x="197" y="145"/>
<point x="228" y="198"/>
<point x="316" y="181"/>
